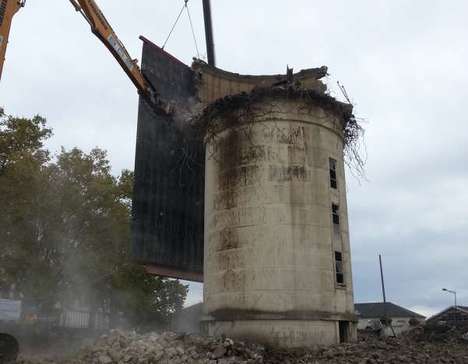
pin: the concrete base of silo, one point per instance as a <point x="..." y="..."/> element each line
<point x="284" y="333"/>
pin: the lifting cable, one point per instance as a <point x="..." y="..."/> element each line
<point x="175" y="24"/>
<point x="184" y="7"/>
<point x="193" y="30"/>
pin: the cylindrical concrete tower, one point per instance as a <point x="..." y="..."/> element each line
<point x="277" y="265"/>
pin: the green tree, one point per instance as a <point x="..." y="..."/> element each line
<point x="65" y="230"/>
<point x="96" y="218"/>
<point x="29" y="254"/>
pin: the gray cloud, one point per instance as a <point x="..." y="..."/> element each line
<point x="403" y="63"/>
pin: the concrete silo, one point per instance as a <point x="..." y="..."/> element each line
<point x="277" y="265"/>
<point x="256" y="207"/>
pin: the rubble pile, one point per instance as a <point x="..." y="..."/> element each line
<point x="439" y="333"/>
<point x="377" y="351"/>
<point x="170" y="348"/>
<point x="131" y="348"/>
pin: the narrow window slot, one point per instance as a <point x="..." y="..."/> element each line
<point x="335" y="214"/>
<point x="333" y="180"/>
<point x="339" y="271"/>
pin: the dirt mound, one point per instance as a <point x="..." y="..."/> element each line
<point x="127" y="348"/>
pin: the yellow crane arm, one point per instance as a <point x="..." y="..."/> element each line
<point x="103" y="30"/>
<point x="8" y="8"/>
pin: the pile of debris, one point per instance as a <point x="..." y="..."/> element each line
<point x="128" y="348"/>
<point x="439" y="333"/>
<point x="131" y="348"/>
<point x="372" y="350"/>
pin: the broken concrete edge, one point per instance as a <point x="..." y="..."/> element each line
<point x="306" y="80"/>
<point x="307" y="77"/>
<point x="213" y="84"/>
<point x="205" y="123"/>
<point x="199" y="65"/>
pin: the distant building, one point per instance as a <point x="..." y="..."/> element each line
<point x="453" y="316"/>
<point x="401" y="318"/>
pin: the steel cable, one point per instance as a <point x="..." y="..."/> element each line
<point x="175" y="24"/>
<point x="193" y="30"/>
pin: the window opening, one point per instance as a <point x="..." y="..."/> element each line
<point x="339" y="268"/>
<point x="333" y="181"/>
<point x="335" y="214"/>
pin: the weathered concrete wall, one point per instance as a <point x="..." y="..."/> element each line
<point x="214" y="83"/>
<point x="279" y="333"/>
<point x="270" y="240"/>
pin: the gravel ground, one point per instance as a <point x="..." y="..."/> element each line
<point x="420" y="346"/>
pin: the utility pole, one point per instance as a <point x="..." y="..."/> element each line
<point x="382" y="279"/>
<point x="387" y="320"/>
<point x="210" y="50"/>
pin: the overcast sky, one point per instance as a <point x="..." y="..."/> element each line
<point x="403" y="63"/>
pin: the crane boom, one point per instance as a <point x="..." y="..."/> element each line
<point x="103" y="30"/>
<point x="100" y="27"/>
<point x="8" y="8"/>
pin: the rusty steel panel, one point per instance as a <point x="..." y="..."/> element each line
<point x="168" y="202"/>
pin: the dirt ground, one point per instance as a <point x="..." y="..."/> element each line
<point x="419" y="346"/>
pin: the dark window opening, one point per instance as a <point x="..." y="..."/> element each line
<point x="335" y="214"/>
<point x="333" y="181"/>
<point x="339" y="268"/>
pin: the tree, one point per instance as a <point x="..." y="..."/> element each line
<point x="147" y="300"/>
<point x="65" y="224"/>
<point x="96" y="217"/>
<point x="29" y="255"/>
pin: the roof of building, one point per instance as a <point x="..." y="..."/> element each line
<point x="381" y="309"/>
<point x="196" y="308"/>
<point x="462" y="309"/>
